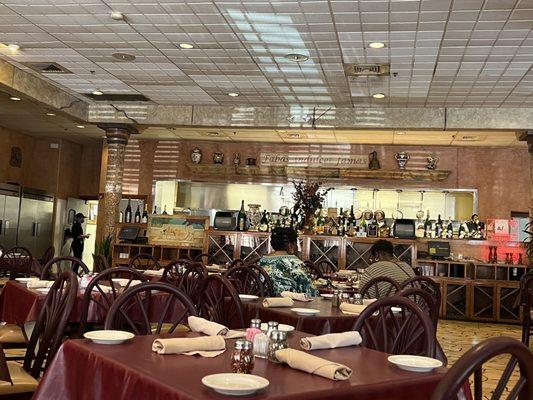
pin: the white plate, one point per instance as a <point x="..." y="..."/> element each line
<point x="415" y="363"/>
<point x="43" y="290"/>
<point x="26" y="280"/>
<point x="247" y="297"/>
<point x="305" y="311"/>
<point x="235" y="384"/>
<point x="327" y="296"/>
<point x="108" y="336"/>
<point x="281" y="327"/>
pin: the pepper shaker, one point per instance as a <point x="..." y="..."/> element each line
<point x="242" y="359"/>
<point x="276" y="341"/>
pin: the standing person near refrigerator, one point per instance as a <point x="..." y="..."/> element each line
<point x="77" y="236"/>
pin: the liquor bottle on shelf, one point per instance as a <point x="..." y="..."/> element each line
<point x="121" y="217"/>
<point x="520" y="262"/>
<point x="320" y="223"/>
<point x="165" y="210"/>
<point x="263" y="224"/>
<point x="144" y="218"/>
<point x="427" y="226"/>
<point x="137" y="217"/>
<point x="155" y="210"/>
<point x="351" y="223"/>
<point x="241" y="218"/>
<point x="420" y="231"/>
<point x="294" y="218"/>
<point x="449" y="229"/>
<point x="340" y="223"/>
<point x="127" y="213"/>
<point x="439" y="228"/>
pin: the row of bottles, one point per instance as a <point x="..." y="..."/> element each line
<point x="434" y="229"/>
<point x="128" y="217"/>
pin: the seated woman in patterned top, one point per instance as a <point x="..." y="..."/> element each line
<point x="285" y="269"/>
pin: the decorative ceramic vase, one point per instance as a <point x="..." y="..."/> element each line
<point x="431" y="161"/>
<point x="401" y="158"/>
<point x="251" y="161"/>
<point x="196" y="155"/>
<point x="218" y="157"/>
<point x="236" y="159"/>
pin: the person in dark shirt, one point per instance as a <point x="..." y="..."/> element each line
<point x="77" y="236"/>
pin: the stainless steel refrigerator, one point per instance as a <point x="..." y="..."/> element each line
<point x="9" y="214"/>
<point x="36" y="221"/>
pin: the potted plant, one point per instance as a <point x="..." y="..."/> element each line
<point x="104" y="248"/>
<point x="308" y="198"/>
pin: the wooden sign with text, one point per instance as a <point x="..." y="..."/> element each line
<point x="359" y="161"/>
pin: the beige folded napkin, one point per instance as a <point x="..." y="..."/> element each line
<point x="277" y="302"/>
<point x="205" y="346"/>
<point x="366" y="302"/>
<point x="197" y="324"/>
<point x="352" y="309"/>
<point x="35" y="284"/>
<point x="105" y="289"/>
<point x="154" y="272"/>
<point x="124" y="282"/>
<point x="331" y="341"/>
<point x="314" y="365"/>
<point x="295" y="296"/>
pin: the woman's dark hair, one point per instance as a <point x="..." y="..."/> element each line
<point x="281" y="238"/>
<point x="382" y="247"/>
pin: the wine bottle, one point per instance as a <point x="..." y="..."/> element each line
<point x="340" y="223"/>
<point x="449" y="229"/>
<point x="427" y="226"/>
<point x="263" y="224"/>
<point x="294" y="218"/>
<point x="165" y="210"/>
<point x="351" y="223"/>
<point x="155" y="210"/>
<point x="241" y="218"/>
<point x="121" y="217"/>
<point x="144" y="218"/>
<point x="438" y="228"/>
<point x="138" y="215"/>
<point x="127" y="213"/>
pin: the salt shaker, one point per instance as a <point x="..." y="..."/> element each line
<point x="276" y="341"/>
<point x="242" y="359"/>
<point x="272" y="326"/>
<point x="254" y="329"/>
<point x="260" y="345"/>
<point x="345" y="297"/>
<point x="358" y="299"/>
<point x="335" y="300"/>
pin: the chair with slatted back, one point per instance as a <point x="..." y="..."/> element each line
<point x="526" y="294"/>
<point x="424" y="300"/>
<point x="268" y="285"/>
<point x="220" y="302"/>
<point x="205" y="259"/>
<point x="143" y="261"/>
<point x="174" y="270"/>
<point x="16" y="262"/>
<point x="424" y="283"/>
<point x="245" y="281"/>
<point x="103" y="290"/>
<point x="38" y="265"/>
<point x="399" y="327"/>
<point x="473" y="363"/>
<point x="150" y="308"/>
<point x="326" y="268"/>
<point x="236" y="263"/>
<point x="313" y="269"/>
<point x="379" y="287"/>
<point x="60" y="264"/>
<point x="47" y="336"/>
<point x="100" y="263"/>
<point x="191" y="281"/>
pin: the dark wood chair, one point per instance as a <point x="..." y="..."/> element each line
<point x="220" y="302"/>
<point x="236" y="263"/>
<point x="245" y="280"/>
<point x="424" y="283"/>
<point x="150" y="308"/>
<point x="205" y="259"/>
<point x="47" y="336"/>
<point x="526" y="294"/>
<point x="326" y="268"/>
<point x="472" y="363"/>
<point x="268" y="285"/>
<point x="191" y="281"/>
<point x="379" y="287"/>
<point x="16" y="262"/>
<point x="174" y="270"/>
<point x="143" y="261"/>
<point x="424" y="300"/>
<point x="100" y="263"/>
<point x="406" y="331"/>
<point x="45" y="259"/>
<point x="313" y="269"/>
<point x="98" y="296"/>
<point x="60" y="264"/>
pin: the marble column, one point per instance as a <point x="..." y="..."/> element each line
<point x="117" y="136"/>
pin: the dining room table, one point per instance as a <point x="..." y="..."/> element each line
<point x="83" y="370"/>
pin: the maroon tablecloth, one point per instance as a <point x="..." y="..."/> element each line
<point x="82" y="370"/>
<point x="330" y="319"/>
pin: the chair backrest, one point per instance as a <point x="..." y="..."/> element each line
<point x="150" y="308"/>
<point x="268" y="285"/>
<point x="47" y="256"/>
<point x="99" y="297"/>
<point x="399" y="327"/>
<point x="49" y="329"/>
<point x="424" y="300"/>
<point x="424" y="283"/>
<point x="236" y="263"/>
<point x="192" y="280"/>
<point x="326" y="268"/>
<point x="174" y="270"/>
<point x="245" y="280"/>
<point x="472" y="362"/>
<point x="381" y="286"/>
<point x="220" y="302"/>
<point x="313" y="268"/>
<point x="205" y="259"/>
<point x="100" y="263"/>
<point x="144" y="261"/>
<point x="16" y="262"/>
<point x="60" y="264"/>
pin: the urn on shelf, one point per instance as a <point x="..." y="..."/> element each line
<point x="431" y="162"/>
<point x="373" y="162"/>
<point x="196" y="155"/>
<point x="236" y="159"/>
<point x="218" y="157"/>
<point x="401" y="158"/>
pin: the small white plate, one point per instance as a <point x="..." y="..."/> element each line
<point x="415" y="363"/>
<point x="235" y="384"/>
<point x="327" y="296"/>
<point x="305" y="311"/>
<point x="108" y="336"/>
<point x="281" y="327"/>
<point x="248" y="297"/>
<point x="26" y="280"/>
<point x="43" y="290"/>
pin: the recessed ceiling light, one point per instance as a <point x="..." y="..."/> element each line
<point x="212" y="133"/>
<point x="376" y="45"/>
<point x="378" y="95"/>
<point x="233" y="94"/>
<point x="186" y="46"/>
<point x="15" y="98"/>
<point x="123" y="56"/>
<point x="97" y="92"/>
<point x="80" y="126"/>
<point x="13" y="47"/>
<point x="296" y="57"/>
<point x="51" y="114"/>
<point x="469" y="138"/>
<point x="117" y="15"/>
<point x="401" y="133"/>
<point x="294" y="135"/>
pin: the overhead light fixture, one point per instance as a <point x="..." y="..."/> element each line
<point x="296" y="57"/>
<point x="80" y="126"/>
<point x="469" y="138"/>
<point x="378" y="95"/>
<point x="13" y="47"/>
<point x="293" y="135"/>
<point x="97" y="92"/>
<point x="376" y="45"/>
<point x="233" y="94"/>
<point x="51" y="114"/>
<point x="186" y="46"/>
<point x="212" y="134"/>
<point x="401" y="133"/>
<point x="123" y="56"/>
<point x="14" y="98"/>
<point x="117" y="15"/>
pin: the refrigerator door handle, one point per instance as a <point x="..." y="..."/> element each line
<point x="1" y="226"/>
<point x="37" y="229"/>
<point x="33" y="228"/>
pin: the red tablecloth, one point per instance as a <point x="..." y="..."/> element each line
<point x="82" y="370"/>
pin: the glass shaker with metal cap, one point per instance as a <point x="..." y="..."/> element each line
<point x="336" y="299"/>
<point x="357" y="299"/>
<point x="277" y="340"/>
<point x="242" y="359"/>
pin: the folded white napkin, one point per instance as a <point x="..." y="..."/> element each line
<point x="205" y="346"/>
<point x="352" y="309"/>
<point x="35" y="283"/>
<point x="197" y="324"/>
<point x="154" y="272"/>
<point x="331" y="341"/>
<point x="124" y="282"/>
<point x="368" y="301"/>
<point x="314" y="365"/>
<point x="277" y="302"/>
<point x="295" y="296"/>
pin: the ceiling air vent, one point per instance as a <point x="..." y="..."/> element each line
<point x="110" y="97"/>
<point x="48" y="68"/>
<point x="366" y="69"/>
